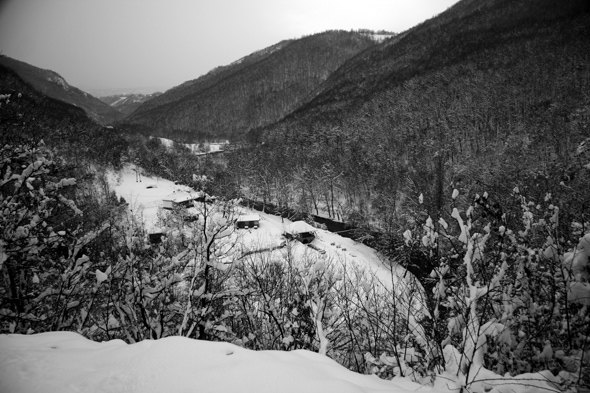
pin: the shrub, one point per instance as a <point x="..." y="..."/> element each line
<point x="508" y="299"/>
<point x="41" y="265"/>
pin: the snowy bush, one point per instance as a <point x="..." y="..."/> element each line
<point x="177" y="287"/>
<point x="43" y="267"/>
<point x="508" y="300"/>
<point x="274" y="308"/>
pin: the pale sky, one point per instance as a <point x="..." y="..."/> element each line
<point x="98" y="44"/>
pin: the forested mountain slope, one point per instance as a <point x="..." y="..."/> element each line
<point x="466" y="29"/>
<point x="252" y="92"/>
<point x="29" y="116"/>
<point x="487" y="95"/>
<point x="53" y="85"/>
<point x="208" y="80"/>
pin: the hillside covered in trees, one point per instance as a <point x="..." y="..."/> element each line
<point x="53" y="85"/>
<point x="487" y="95"/>
<point x="254" y="91"/>
<point x="29" y="116"/>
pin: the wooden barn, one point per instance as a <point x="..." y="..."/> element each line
<point x="248" y="221"/>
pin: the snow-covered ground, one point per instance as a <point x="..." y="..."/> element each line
<point x="194" y="147"/>
<point x="63" y="362"/>
<point x="145" y="200"/>
<point x="330" y="249"/>
<point x="144" y="197"/>
<point x="380" y="37"/>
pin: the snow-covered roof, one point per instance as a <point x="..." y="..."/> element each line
<point x="249" y="217"/>
<point x="179" y="197"/>
<point x="300" y="227"/>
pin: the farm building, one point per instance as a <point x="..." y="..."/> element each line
<point x="248" y="221"/>
<point x="302" y="231"/>
<point x="183" y="199"/>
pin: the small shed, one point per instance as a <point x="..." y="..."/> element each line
<point x="155" y="235"/>
<point x="181" y="199"/>
<point x="302" y="231"/>
<point x="248" y="221"/>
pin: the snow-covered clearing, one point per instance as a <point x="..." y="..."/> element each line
<point x="193" y="147"/>
<point x="380" y="37"/>
<point x="145" y="200"/>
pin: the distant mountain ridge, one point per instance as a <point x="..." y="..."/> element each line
<point x="55" y="86"/>
<point x="252" y="92"/>
<point x="127" y="103"/>
<point x="114" y="91"/>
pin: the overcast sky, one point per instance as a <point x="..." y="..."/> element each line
<point x="97" y="44"/>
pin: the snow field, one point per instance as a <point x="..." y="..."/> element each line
<point x="339" y="253"/>
<point x="64" y="362"/>
<point x="145" y="203"/>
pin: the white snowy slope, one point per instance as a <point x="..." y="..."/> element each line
<point x="145" y="199"/>
<point x="63" y="362"/>
<point x="143" y="194"/>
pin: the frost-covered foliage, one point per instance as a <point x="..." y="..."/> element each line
<point x="150" y="291"/>
<point x="282" y="302"/>
<point x="99" y="275"/>
<point x="508" y="300"/>
<point x="41" y="265"/>
<point x="310" y="301"/>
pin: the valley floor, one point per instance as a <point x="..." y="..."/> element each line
<point x="63" y="362"/>
<point x="145" y="200"/>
